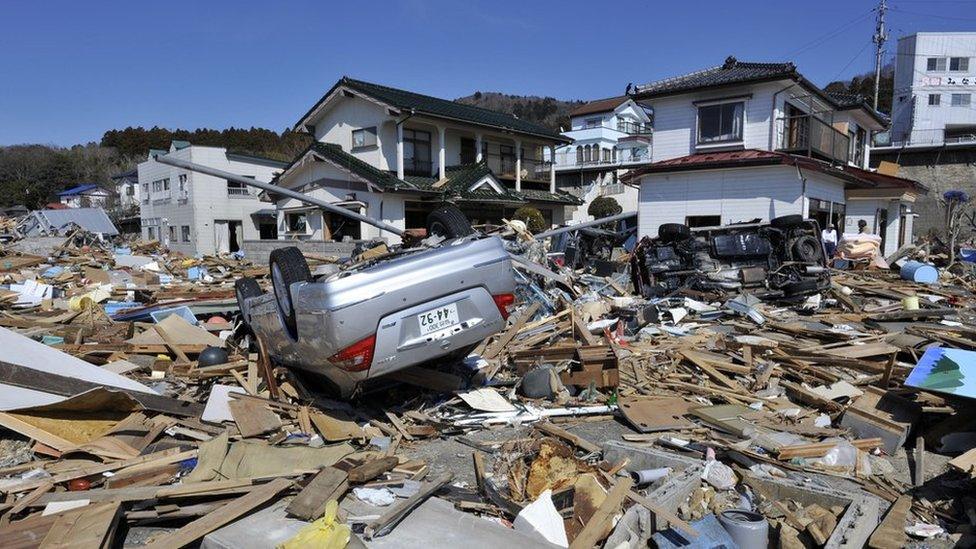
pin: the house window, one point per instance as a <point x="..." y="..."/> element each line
<point x="130" y="190"/>
<point x="172" y="233"/>
<point x="960" y="99"/>
<point x="613" y="154"/>
<point x="151" y="232"/>
<point x="720" y="123"/>
<point x="186" y="233"/>
<point x="606" y="155"/>
<point x="935" y="99"/>
<point x="296" y="222"/>
<point x="579" y="155"/>
<point x="703" y="220"/>
<point x="959" y="64"/>
<point x="365" y="137"/>
<point x="236" y="188"/>
<point x="592" y="123"/>
<point x="936" y="64"/>
<point x="183" y="178"/>
<point x="166" y="184"/>
<point x="416" y="152"/>
<point x="145" y="188"/>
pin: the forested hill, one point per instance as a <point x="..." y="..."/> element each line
<point x="136" y="142"/>
<point x="549" y="112"/>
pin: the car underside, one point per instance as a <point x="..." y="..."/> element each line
<point x="781" y="259"/>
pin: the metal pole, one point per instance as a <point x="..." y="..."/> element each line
<point x="570" y="228"/>
<point x="163" y="159"/>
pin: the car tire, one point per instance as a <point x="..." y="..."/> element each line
<point x="288" y="266"/>
<point x="449" y="222"/>
<point x="801" y="287"/>
<point x="787" y="222"/>
<point x="670" y="232"/>
<point x="244" y="289"/>
<point x="808" y="250"/>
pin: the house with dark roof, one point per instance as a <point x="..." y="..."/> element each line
<point x="395" y="155"/>
<point x="610" y="136"/>
<point x="195" y="213"/>
<point x="749" y="141"/>
<point x="86" y="195"/>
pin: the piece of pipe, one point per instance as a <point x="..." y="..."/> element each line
<point x="647" y="476"/>
<point x="584" y="225"/>
<point x="164" y="159"/>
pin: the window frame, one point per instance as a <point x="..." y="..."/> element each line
<point x="968" y="100"/>
<point x="185" y="233"/>
<point x="723" y="142"/>
<point x="938" y="99"/>
<point x="959" y="61"/>
<point x="369" y="137"/>
<point x="414" y="158"/>
<point x="289" y="225"/>
<point x="938" y="61"/>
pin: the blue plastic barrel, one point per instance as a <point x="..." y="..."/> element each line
<point x="916" y="271"/>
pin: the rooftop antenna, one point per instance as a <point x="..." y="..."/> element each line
<point x="879" y="38"/>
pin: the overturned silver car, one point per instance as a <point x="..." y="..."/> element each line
<point x="783" y="258"/>
<point x="409" y="307"/>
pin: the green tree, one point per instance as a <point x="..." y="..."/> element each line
<point x="604" y="206"/>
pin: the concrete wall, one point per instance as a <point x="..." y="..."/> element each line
<point x="259" y="251"/>
<point x="939" y="170"/>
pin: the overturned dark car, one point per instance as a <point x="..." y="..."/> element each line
<point x="781" y="259"/>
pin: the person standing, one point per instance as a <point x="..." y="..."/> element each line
<point x="862" y="226"/>
<point x="829" y="238"/>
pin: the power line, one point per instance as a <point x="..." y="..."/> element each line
<point x="946" y="17"/>
<point x="817" y="41"/>
<point x="851" y="62"/>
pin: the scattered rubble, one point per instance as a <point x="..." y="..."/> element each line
<point x="138" y="408"/>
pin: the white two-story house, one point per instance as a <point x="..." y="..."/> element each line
<point x="194" y="213"/>
<point x="609" y="137"/>
<point x="754" y="141"/>
<point x="396" y="155"/>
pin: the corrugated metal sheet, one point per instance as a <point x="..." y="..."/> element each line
<point x="91" y="219"/>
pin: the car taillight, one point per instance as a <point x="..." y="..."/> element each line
<point x="356" y="357"/>
<point x="503" y="301"/>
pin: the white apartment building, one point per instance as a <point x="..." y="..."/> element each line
<point x="934" y="99"/>
<point x="609" y="137"/>
<point x="754" y="141"/>
<point x="195" y="213"/>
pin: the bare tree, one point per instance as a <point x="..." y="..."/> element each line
<point x="954" y="203"/>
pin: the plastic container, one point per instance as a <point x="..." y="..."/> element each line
<point x="916" y="271"/>
<point x="749" y="530"/>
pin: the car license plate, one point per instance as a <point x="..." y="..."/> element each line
<point x="437" y="319"/>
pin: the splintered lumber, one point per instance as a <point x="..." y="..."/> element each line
<point x="403" y="508"/>
<point x="330" y="483"/>
<point x="506" y="337"/>
<point x="372" y="469"/>
<point x="226" y="514"/>
<point x="820" y="449"/>
<point x="93" y="527"/>
<point x="890" y="534"/>
<point x="559" y="432"/>
<point x="253" y="418"/>
<point x="702" y="361"/>
<point x="599" y="523"/>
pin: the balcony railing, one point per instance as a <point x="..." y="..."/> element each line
<point x="623" y="158"/>
<point x="237" y="192"/>
<point x="504" y="166"/>
<point x="810" y="136"/>
<point x="925" y="138"/>
<point x="633" y="128"/>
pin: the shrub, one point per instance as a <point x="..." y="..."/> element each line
<point x="604" y="206"/>
<point x="532" y="218"/>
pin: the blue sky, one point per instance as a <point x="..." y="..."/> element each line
<point x="69" y="70"/>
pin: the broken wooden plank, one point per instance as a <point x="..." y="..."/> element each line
<point x="599" y="524"/>
<point x="225" y="515"/>
<point x="403" y="508"/>
<point x="329" y="484"/>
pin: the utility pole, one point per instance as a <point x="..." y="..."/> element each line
<point x="879" y="38"/>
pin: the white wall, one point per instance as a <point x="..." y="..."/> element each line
<point x="738" y="194"/>
<point x="324" y="181"/>
<point x="207" y="199"/>
<point x="871" y="211"/>
<point x="338" y="122"/>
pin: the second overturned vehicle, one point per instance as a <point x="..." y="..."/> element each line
<point x="780" y="259"/>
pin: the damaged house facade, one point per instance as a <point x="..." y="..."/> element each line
<point x="755" y="141"/>
<point x="196" y="213"/>
<point x="396" y="155"/>
<point x="610" y="136"/>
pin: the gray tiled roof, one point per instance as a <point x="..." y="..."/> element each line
<point x="441" y="108"/>
<point x="732" y="71"/>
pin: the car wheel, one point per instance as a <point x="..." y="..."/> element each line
<point x="808" y="250"/>
<point x="244" y="289"/>
<point x="787" y="222"/>
<point x="801" y="287"/>
<point x="288" y="266"/>
<point x="449" y="222"/>
<point x="670" y="232"/>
